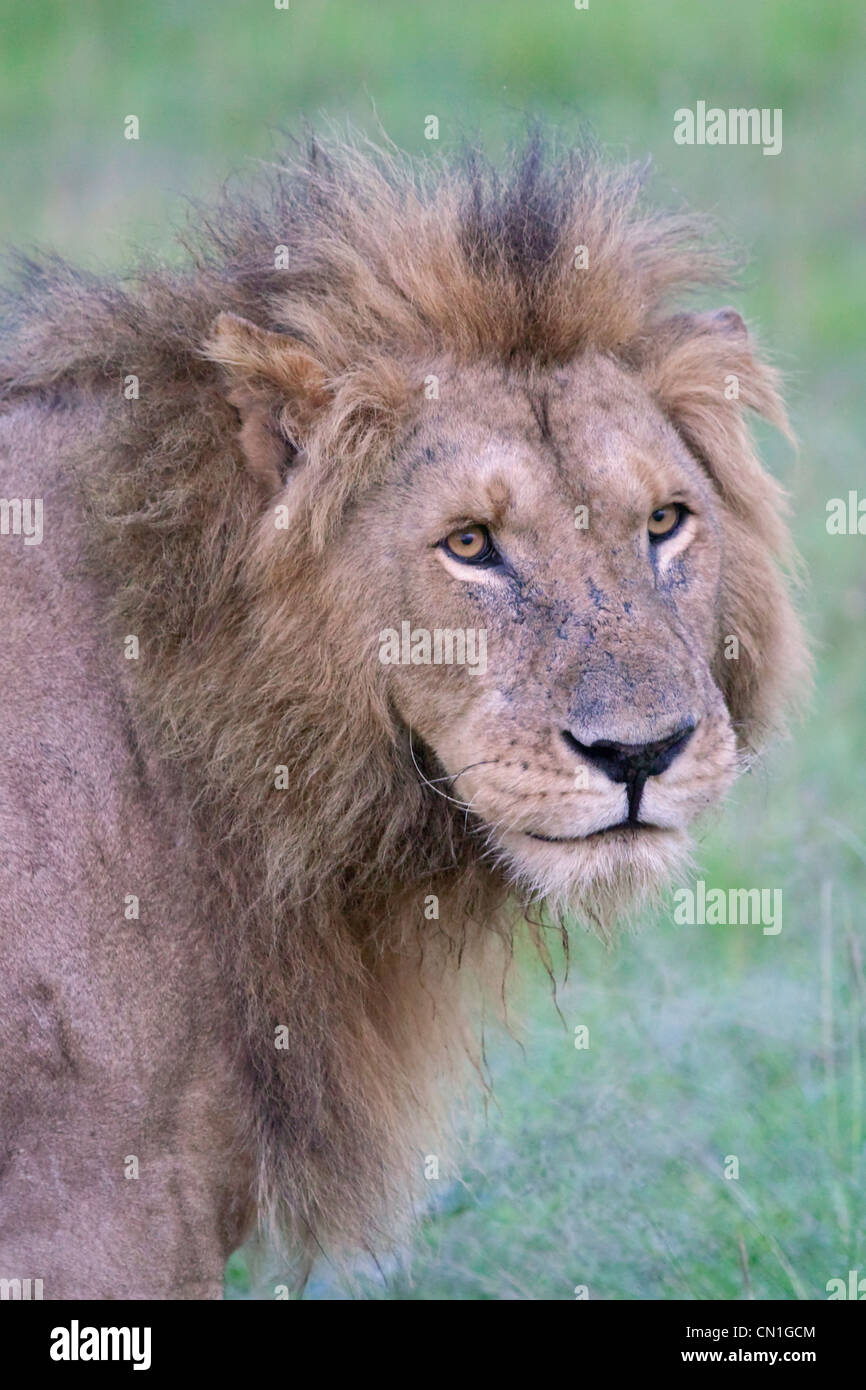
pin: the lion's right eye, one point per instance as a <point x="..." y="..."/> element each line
<point x="664" y="521"/>
<point x="471" y="544"/>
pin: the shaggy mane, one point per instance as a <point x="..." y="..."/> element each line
<point x="318" y="909"/>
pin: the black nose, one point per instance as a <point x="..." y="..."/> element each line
<point x="632" y="763"/>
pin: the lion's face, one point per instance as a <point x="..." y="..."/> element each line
<point x="562" y="534"/>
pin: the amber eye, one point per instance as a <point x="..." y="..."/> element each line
<point x="665" y="520"/>
<point x="471" y="544"/>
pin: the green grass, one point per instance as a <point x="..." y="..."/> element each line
<point x="602" y="1167"/>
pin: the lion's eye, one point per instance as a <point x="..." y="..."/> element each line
<point x="664" y="521"/>
<point x="472" y="545"/>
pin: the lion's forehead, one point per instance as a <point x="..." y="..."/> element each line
<point x="578" y="469"/>
<point x="522" y="449"/>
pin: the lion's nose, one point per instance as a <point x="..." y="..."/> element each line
<point x="632" y="762"/>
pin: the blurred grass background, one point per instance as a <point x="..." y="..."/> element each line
<point x="601" y="1167"/>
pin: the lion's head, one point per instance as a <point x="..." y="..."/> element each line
<point x="554" y="535"/>
<point x="454" y="569"/>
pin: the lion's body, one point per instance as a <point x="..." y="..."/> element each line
<point x="112" y="1046"/>
<point x="250" y="775"/>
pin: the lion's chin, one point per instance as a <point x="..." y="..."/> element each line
<point x="603" y="879"/>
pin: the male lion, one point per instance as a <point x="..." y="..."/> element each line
<point x="264" y="843"/>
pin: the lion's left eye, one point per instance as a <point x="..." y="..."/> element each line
<point x="664" y="521"/>
<point x="471" y="544"/>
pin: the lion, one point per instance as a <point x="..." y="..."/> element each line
<point x="270" y="828"/>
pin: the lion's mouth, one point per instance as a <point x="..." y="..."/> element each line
<point x="634" y="827"/>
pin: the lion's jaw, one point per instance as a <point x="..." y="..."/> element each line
<point x="565" y="838"/>
<point x="590" y="637"/>
<point x="608" y="873"/>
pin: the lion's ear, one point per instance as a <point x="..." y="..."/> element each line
<point x="277" y="387"/>
<point x="702" y="362"/>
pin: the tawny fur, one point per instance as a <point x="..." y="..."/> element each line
<point x="245" y="659"/>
